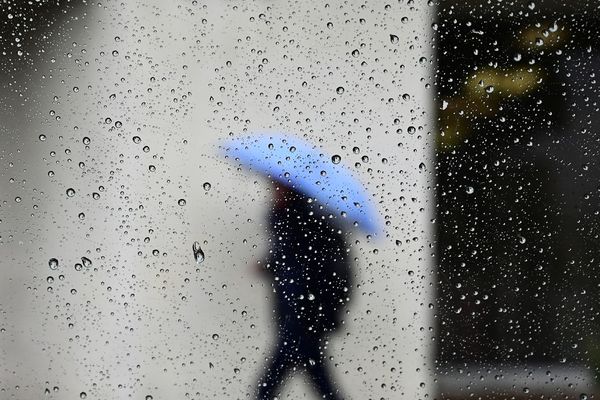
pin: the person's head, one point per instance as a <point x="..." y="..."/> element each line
<point x="282" y="194"/>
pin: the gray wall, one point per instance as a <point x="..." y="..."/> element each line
<point x="145" y="324"/>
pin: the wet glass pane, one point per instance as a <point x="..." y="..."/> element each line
<point x="259" y="200"/>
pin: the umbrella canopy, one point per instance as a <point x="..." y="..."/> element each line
<point x="297" y="164"/>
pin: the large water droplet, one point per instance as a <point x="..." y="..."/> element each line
<point x="339" y="90"/>
<point x="181" y="202"/>
<point x="336" y="159"/>
<point x="53" y="263"/>
<point x="394" y="39"/>
<point x="70" y="192"/>
<point x="206" y="186"/>
<point x="86" y="262"/>
<point x="198" y="253"/>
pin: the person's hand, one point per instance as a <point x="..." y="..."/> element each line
<point x="259" y="268"/>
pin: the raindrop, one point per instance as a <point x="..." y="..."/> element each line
<point x="86" y="262"/>
<point x="336" y="159"/>
<point x="340" y="90"/>
<point x="394" y="39"/>
<point x="42" y="137"/>
<point x="198" y="253"/>
<point x="95" y="196"/>
<point x="355" y="53"/>
<point x="86" y="140"/>
<point x="70" y="192"/>
<point x="151" y="168"/>
<point x="181" y="202"/>
<point x="53" y="263"/>
<point x="82" y="395"/>
<point x="17" y="199"/>
<point x="81" y="215"/>
<point x="206" y="186"/>
<point x="215" y="336"/>
<point x="136" y="139"/>
<point x="470" y="190"/>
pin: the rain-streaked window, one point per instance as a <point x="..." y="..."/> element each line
<point x="282" y="200"/>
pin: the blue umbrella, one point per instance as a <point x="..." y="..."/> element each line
<point x="295" y="163"/>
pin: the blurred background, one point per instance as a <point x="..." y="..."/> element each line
<point x="473" y="124"/>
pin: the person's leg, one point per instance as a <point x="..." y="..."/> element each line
<point x="274" y="373"/>
<point x="317" y="370"/>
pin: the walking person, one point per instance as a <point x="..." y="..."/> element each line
<point x="310" y="277"/>
<point x="316" y="200"/>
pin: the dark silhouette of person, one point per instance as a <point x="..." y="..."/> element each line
<point x="308" y="264"/>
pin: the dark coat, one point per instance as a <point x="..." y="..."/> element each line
<point x="309" y="265"/>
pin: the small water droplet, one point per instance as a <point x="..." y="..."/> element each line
<point x="339" y="90"/>
<point x="86" y="140"/>
<point x="206" y="186"/>
<point x="42" y="137"/>
<point x="82" y="395"/>
<point x="136" y="139"/>
<point x="181" y="202"/>
<point x="336" y="159"/>
<point x="70" y="192"/>
<point x="470" y="190"/>
<point x="215" y="336"/>
<point x="394" y="39"/>
<point x="86" y="262"/>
